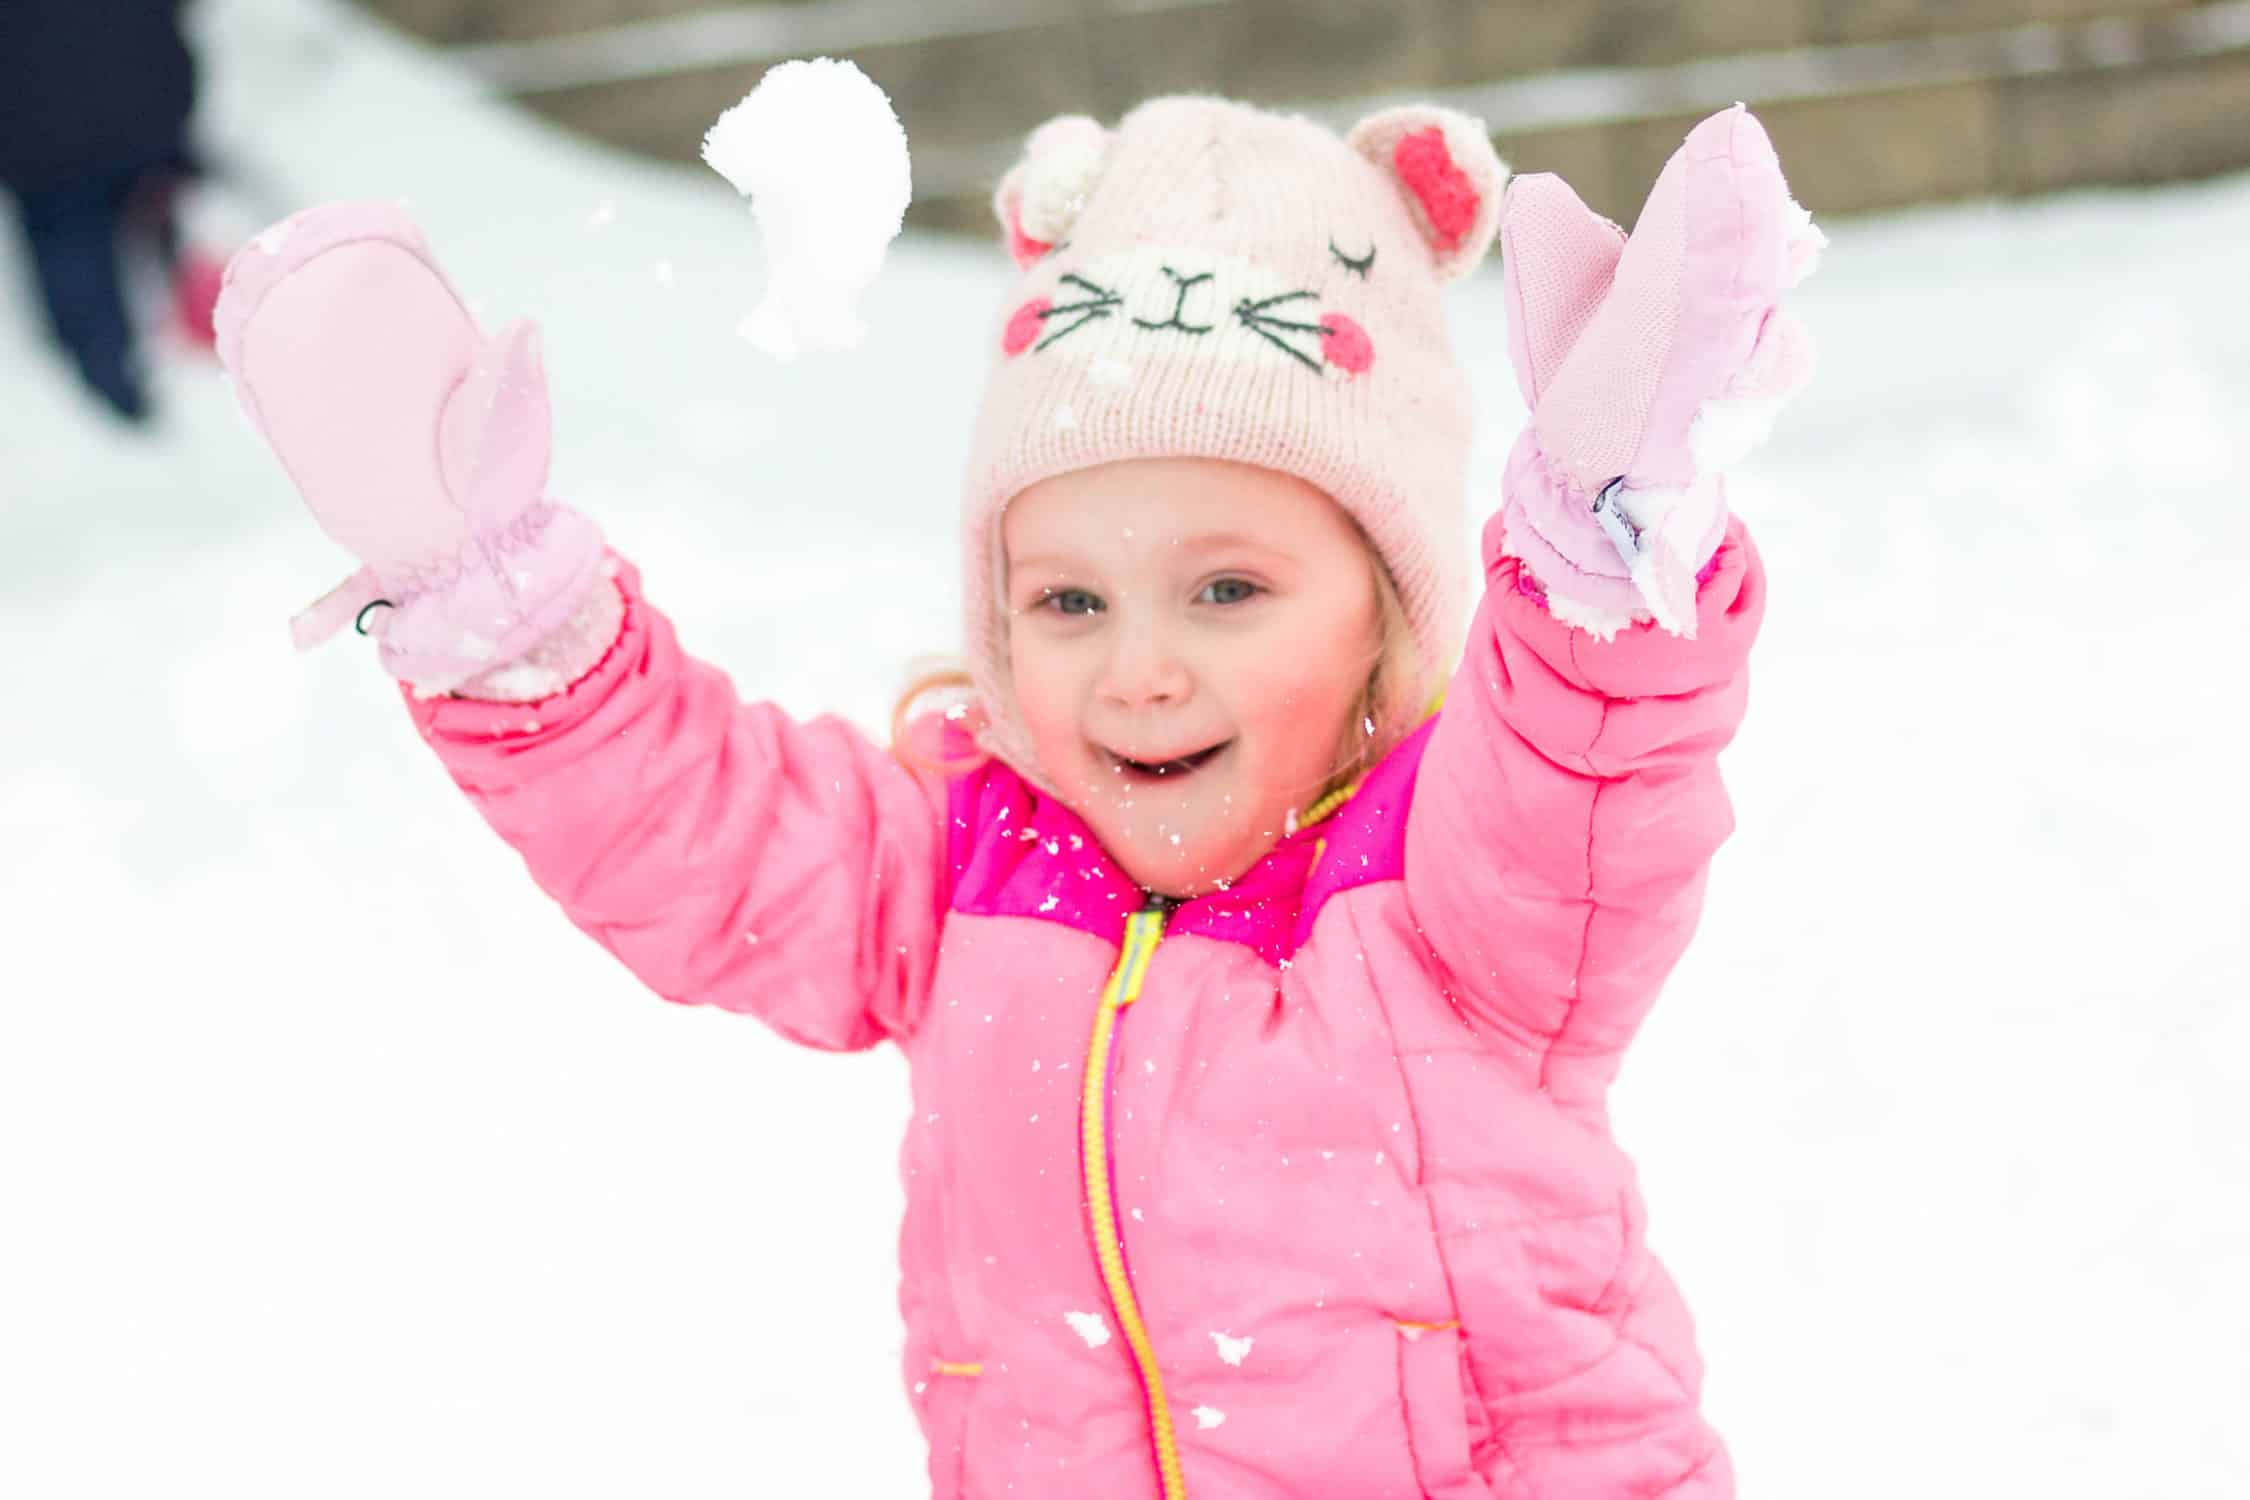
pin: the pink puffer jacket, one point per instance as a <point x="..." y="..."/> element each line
<point x="1303" y="1188"/>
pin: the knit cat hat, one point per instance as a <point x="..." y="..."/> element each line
<point x="1211" y="280"/>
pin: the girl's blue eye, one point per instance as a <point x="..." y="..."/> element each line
<point x="1228" y="591"/>
<point x="1073" y="602"/>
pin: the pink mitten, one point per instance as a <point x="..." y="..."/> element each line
<point x="1650" y="365"/>
<point x="418" y="443"/>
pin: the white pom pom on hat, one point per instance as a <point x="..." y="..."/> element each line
<point x="1062" y="162"/>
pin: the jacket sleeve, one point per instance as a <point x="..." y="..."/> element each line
<point x="1567" y="809"/>
<point x="727" y="854"/>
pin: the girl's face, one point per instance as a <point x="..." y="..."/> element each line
<point x="1189" y="640"/>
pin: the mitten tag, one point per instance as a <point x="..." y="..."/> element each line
<point x="1623" y="534"/>
<point x="332" y="611"/>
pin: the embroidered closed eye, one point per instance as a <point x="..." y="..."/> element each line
<point x="1358" y="265"/>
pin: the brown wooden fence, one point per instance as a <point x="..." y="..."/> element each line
<point x="1874" y="103"/>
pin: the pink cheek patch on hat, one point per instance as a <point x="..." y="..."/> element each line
<point x="1023" y="329"/>
<point x="1345" y="345"/>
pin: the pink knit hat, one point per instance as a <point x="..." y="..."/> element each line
<point x="1210" y="280"/>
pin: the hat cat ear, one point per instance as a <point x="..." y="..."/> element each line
<point x="1450" y="176"/>
<point x="1042" y="195"/>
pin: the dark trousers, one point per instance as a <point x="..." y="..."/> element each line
<point x="77" y="232"/>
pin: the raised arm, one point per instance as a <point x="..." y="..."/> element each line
<point x="1567" y="808"/>
<point x="1569" y="801"/>
<point x="727" y="854"/>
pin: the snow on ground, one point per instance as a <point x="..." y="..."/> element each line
<point x="337" y="1163"/>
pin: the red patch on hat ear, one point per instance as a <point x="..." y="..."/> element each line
<point x="1026" y="250"/>
<point x="1448" y="198"/>
<point x="1447" y="176"/>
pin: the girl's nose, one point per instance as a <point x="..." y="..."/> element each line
<point x="1143" y="671"/>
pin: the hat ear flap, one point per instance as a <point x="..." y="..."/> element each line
<point x="1446" y="169"/>
<point x="1043" y="194"/>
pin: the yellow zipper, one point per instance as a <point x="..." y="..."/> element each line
<point x="1143" y="931"/>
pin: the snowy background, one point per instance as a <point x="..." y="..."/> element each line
<point x="334" y="1162"/>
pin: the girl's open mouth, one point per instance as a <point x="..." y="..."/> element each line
<point x="1166" y="770"/>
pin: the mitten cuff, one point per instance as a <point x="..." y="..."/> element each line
<point x="511" y="590"/>
<point x="561" y="657"/>
<point x="1602" y="573"/>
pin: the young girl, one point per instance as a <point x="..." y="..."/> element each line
<point x="1260" y="1015"/>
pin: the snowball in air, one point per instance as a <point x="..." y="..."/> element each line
<point x="822" y="158"/>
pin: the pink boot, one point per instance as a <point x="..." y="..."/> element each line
<point x="418" y="444"/>
<point x="1650" y="366"/>
<point x="195" y="297"/>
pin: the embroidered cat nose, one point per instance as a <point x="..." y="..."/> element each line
<point x="1181" y="285"/>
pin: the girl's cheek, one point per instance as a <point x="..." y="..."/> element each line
<point x="1047" y="696"/>
<point x="1287" y="681"/>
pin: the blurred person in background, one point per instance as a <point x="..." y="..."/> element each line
<point x="95" y="97"/>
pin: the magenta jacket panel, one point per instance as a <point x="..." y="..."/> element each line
<point x="1304" y="1187"/>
